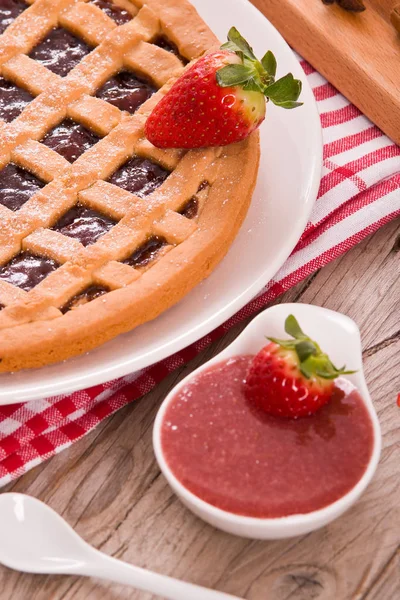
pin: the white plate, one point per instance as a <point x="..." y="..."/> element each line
<point x="287" y="187"/>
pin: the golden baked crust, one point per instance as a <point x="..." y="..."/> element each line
<point x="33" y="330"/>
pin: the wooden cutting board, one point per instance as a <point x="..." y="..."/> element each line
<point x="359" y="53"/>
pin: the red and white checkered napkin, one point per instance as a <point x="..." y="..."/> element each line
<point x="360" y="191"/>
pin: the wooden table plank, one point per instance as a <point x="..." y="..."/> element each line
<point x="108" y="485"/>
<point x="388" y="583"/>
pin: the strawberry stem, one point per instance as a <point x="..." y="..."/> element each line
<point x="312" y="360"/>
<point x="259" y="76"/>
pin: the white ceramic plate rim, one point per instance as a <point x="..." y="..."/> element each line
<point x="25" y="388"/>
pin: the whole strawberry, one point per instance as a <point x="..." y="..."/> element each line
<point x="221" y="99"/>
<point x="291" y="378"/>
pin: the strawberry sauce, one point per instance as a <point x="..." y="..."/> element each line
<point x="249" y="463"/>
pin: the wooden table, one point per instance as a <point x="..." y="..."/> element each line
<point x="109" y="488"/>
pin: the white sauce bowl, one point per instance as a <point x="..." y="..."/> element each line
<point x="340" y="338"/>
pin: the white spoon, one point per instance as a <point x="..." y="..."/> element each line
<point x="35" y="539"/>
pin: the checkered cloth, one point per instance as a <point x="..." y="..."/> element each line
<point x="360" y="192"/>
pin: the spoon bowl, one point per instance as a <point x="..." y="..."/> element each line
<point x="35" y="539"/>
<point x="340" y="338"/>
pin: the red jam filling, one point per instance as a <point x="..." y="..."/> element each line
<point x="249" y="463"/>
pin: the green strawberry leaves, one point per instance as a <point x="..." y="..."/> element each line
<point x="259" y="76"/>
<point x="268" y="61"/>
<point x="233" y="75"/>
<point x="236" y="43"/>
<point x="305" y="349"/>
<point x="285" y="92"/>
<point x="293" y="328"/>
<point x="312" y="360"/>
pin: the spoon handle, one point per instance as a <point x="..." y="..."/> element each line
<point x="107" y="567"/>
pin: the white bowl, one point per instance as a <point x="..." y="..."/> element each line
<point x="340" y="338"/>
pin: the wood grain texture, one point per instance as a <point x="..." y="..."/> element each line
<point x="357" y="52"/>
<point x="388" y="583"/>
<point x="109" y="488"/>
<point x="383" y="7"/>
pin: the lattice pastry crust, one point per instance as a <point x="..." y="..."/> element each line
<point x="159" y="245"/>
